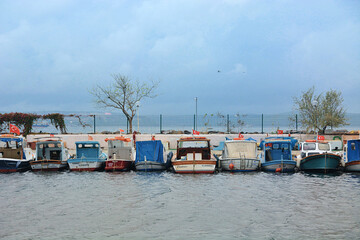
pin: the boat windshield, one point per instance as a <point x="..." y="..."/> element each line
<point x="309" y="146"/>
<point x="324" y="147"/>
<point x="193" y="144"/>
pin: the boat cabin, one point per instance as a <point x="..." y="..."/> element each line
<point x="88" y="149"/>
<point x="313" y="147"/>
<point x="193" y="148"/>
<point x="277" y="150"/>
<point x="51" y="150"/>
<point x="240" y="149"/>
<point x="11" y="147"/>
<point x="352" y="150"/>
<point x="120" y="148"/>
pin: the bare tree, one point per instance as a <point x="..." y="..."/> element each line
<point x="318" y="112"/>
<point x="123" y="94"/>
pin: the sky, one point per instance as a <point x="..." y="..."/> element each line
<point x="235" y="56"/>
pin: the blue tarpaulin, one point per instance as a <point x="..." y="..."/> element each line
<point x="152" y="150"/>
<point x="293" y="141"/>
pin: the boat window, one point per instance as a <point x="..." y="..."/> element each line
<point x="352" y="146"/>
<point x="324" y="146"/>
<point x="276" y="146"/>
<point x="80" y="145"/>
<point x="309" y="146"/>
<point x="96" y="145"/>
<point x="193" y="144"/>
<point x="51" y="145"/>
<point x="285" y="146"/>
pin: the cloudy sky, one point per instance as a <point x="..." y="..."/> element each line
<point x="244" y="56"/>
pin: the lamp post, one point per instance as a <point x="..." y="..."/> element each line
<point x="315" y="104"/>
<point x="137" y="106"/>
<point x="196" y="98"/>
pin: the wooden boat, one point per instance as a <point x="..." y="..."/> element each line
<point x="121" y="154"/>
<point x="14" y="156"/>
<point x="51" y="155"/>
<point x="352" y="155"/>
<point x="239" y="155"/>
<point x="150" y="156"/>
<point x="277" y="156"/>
<point x="316" y="156"/>
<point x="89" y="157"/>
<point x="193" y="155"/>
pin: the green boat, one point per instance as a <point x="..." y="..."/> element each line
<point x="316" y="157"/>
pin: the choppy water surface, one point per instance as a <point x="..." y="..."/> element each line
<point x="100" y="205"/>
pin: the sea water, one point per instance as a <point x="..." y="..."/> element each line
<point x="132" y="205"/>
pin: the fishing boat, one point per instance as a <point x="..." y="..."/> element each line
<point x="150" y="156"/>
<point x="121" y="154"/>
<point x="276" y="156"/>
<point x="193" y="155"/>
<point x="352" y="155"/>
<point x="89" y="157"/>
<point x="316" y="156"/>
<point x="14" y="156"/>
<point x="51" y="155"/>
<point x="239" y="155"/>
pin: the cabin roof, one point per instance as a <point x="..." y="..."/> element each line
<point x="86" y="142"/>
<point x="184" y="139"/>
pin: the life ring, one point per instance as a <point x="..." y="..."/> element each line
<point x="337" y="137"/>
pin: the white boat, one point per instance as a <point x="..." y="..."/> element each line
<point x="51" y="155"/>
<point x="239" y="156"/>
<point x="121" y="154"/>
<point x="193" y="155"/>
<point x="89" y="157"/>
<point x="14" y="156"/>
<point x="352" y="155"/>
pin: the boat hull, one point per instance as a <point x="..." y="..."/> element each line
<point x="353" y="166"/>
<point x="86" y="165"/>
<point x="320" y="163"/>
<point x="48" y="165"/>
<point x="118" y="165"/>
<point x="14" y="165"/>
<point x="197" y="166"/>
<point x="283" y="166"/>
<point x="148" y="166"/>
<point x="239" y="165"/>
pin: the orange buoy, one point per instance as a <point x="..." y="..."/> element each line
<point x="278" y="169"/>
<point x="231" y="166"/>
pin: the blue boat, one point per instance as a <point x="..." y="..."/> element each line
<point x="316" y="156"/>
<point x="291" y="139"/>
<point x="89" y="157"/>
<point x="150" y="156"/>
<point x="352" y="155"/>
<point x="14" y="157"/>
<point x="277" y="156"/>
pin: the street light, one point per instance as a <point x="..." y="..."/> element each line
<point x="196" y="98"/>
<point x="137" y="106"/>
<point x="315" y="104"/>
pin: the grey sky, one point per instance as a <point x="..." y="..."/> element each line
<point x="52" y="52"/>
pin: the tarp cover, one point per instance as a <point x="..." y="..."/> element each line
<point x="243" y="149"/>
<point x="353" y="149"/>
<point x="152" y="150"/>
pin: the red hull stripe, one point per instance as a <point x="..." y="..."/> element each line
<point x="83" y="169"/>
<point x="7" y="170"/>
<point x="196" y="162"/>
<point x="352" y="163"/>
